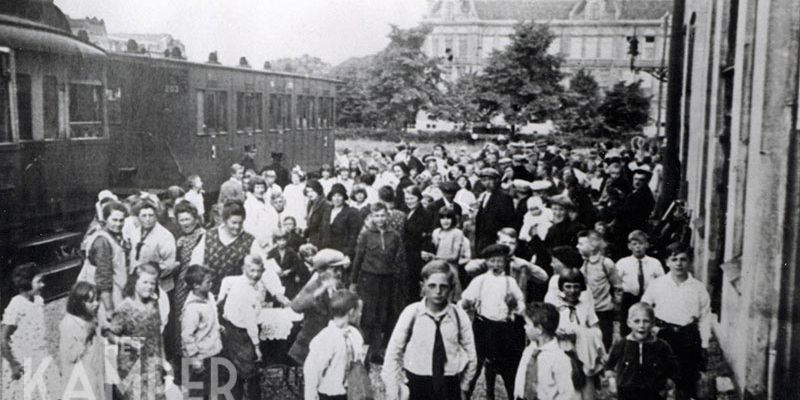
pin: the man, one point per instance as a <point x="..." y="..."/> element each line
<point x="638" y="205"/>
<point x="522" y="192"/>
<point x="495" y="209"/>
<point x="449" y="190"/>
<point x="249" y="160"/>
<point x="232" y="188"/>
<point x="281" y="173"/>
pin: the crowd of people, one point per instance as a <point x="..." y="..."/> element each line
<point x="515" y="261"/>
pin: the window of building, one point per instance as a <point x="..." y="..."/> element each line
<point x="448" y="46"/>
<point x="435" y="51"/>
<point x="555" y="46"/>
<point x="312" y="112"/>
<point x="302" y="106"/>
<point x="85" y="110"/>
<point x="649" y="47"/>
<point x="463" y="48"/>
<point x="590" y="47"/>
<point x="280" y="113"/>
<point x="576" y="47"/>
<point x="249" y="107"/>
<point x="5" y="106"/>
<point x="24" y="107"/>
<point x="606" y="48"/>
<point x="51" y="103"/>
<point x="212" y="108"/>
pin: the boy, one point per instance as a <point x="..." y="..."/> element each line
<point x="682" y="311"/>
<point x="636" y="272"/>
<point x="641" y="362"/>
<point x="333" y="349"/>
<point x="545" y="371"/>
<point x="293" y="239"/>
<point x="602" y="279"/>
<point x="294" y="273"/>
<point x="200" y="329"/>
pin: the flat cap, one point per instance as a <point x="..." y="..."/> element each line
<point x="489" y="173"/>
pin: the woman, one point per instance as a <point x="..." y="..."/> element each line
<point x="344" y="223"/>
<point x="191" y="234"/>
<point x="79" y="345"/>
<point x="401" y="172"/>
<point x="318" y="214"/>
<point x="224" y="248"/>
<point x="416" y="234"/>
<point x="262" y="219"/>
<point x="296" y="201"/>
<point x="464" y="197"/>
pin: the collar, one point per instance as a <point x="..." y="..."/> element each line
<point x="650" y="339"/>
<point x="423" y="309"/>
<point x="550" y="346"/>
<point x="672" y="279"/>
<point x="594" y="258"/>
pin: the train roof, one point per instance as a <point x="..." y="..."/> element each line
<point x="23" y="34"/>
<point x="175" y="61"/>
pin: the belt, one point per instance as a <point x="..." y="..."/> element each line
<point x="664" y="325"/>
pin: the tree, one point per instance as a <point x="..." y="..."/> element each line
<point x="353" y="108"/>
<point x="131" y="46"/>
<point x="459" y="101"/>
<point x="625" y="109"/>
<point x="403" y="80"/>
<point x="305" y="64"/>
<point x="579" y="106"/>
<point x="521" y="82"/>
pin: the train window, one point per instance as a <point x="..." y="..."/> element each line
<point x="302" y="113"/>
<point x="24" y="107"/>
<point x="5" y="108"/>
<point x="312" y="112"/>
<point x="85" y="110"/>
<point x="212" y="111"/>
<point x="249" y="107"/>
<point x="50" y="100"/>
<point x="286" y="111"/>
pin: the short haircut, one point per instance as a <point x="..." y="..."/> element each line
<point x="376" y="207"/>
<point x="186" y="207"/>
<point x="402" y="166"/>
<point x="386" y="194"/>
<point x="233" y="208"/>
<point x="190" y="180"/>
<point x="144" y="204"/>
<point x="643" y="307"/>
<point x="150" y="267"/>
<point x="448" y="211"/>
<point x="81" y="292"/>
<point x="571" y="275"/>
<point x="255" y="181"/>
<point x="23" y="276"/>
<point x="195" y="275"/>
<point x="545" y="316"/>
<point x="438" y="267"/>
<point x="235" y="168"/>
<point x="358" y="189"/>
<point x="679" y="248"/>
<point x="307" y="250"/>
<point x="342" y="301"/>
<point x="279" y="234"/>
<point x="510" y="232"/>
<point x="638" y="236"/>
<point x="253" y="259"/>
<point x="591" y="234"/>
<point x="112" y="206"/>
<point x="368" y="179"/>
<point x="414" y="191"/>
<point x="289" y="218"/>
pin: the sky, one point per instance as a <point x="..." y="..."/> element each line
<point x="333" y="30"/>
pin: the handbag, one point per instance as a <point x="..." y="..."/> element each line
<point x="359" y="386"/>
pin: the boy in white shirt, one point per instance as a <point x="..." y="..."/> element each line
<point x="636" y="272"/>
<point x="545" y="371"/>
<point x="333" y="350"/>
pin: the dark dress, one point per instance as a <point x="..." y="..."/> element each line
<point x="225" y="260"/>
<point x="319" y="215"/>
<point x="399" y="194"/>
<point x="498" y="214"/>
<point x="185" y="245"/>
<point x="132" y="319"/>
<point x="416" y="235"/>
<point x="341" y="233"/>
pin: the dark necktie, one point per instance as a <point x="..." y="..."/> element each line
<point x="349" y="354"/>
<point x="438" y="360"/>
<point x="641" y="279"/>
<point x="532" y="377"/>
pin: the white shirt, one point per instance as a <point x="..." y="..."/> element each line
<point x="261" y="220"/>
<point x="628" y="270"/>
<point x="296" y="203"/>
<point x="554" y="373"/>
<point x="196" y="199"/>
<point x="242" y="303"/>
<point x="489" y="291"/>
<point x="327" y="361"/>
<point x="681" y="303"/>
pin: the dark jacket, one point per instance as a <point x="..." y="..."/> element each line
<point x="416" y="235"/>
<point x="400" y="196"/>
<point x="642" y="365"/>
<point x="564" y="233"/>
<point x="294" y="240"/>
<point x="379" y="252"/>
<point x="635" y="211"/>
<point x="298" y="272"/>
<point x="316" y="314"/>
<point x="498" y="214"/>
<point x="519" y="212"/>
<point x="342" y="232"/>
<point x="319" y="215"/>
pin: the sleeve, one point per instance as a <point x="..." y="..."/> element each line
<point x="167" y="253"/>
<point x="12" y="313"/>
<point x="615" y="355"/>
<point x="611" y="271"/>
<point x="591" y="317"/>
<point x="361" y="248"/>
<point x="468" y="344"/>
<point x="704" y="321"/>
<point x="305" y="300"/>
<point x="471" y="292"/>
<point x="189" y="321"/>
<point x="272" y="282"/>
<point x="466" y="252"/>
<point x="537" y="273"/>
<point x="392" y="371"/>
<point x="101" y="255"/>
<point x="71" y="343"/>
<point x="649" y="294"/>
<point x="224" y="289"/>
<point x="319" y="356"/>
<point x="353" y="229"/>
<point x="199" y="252"/>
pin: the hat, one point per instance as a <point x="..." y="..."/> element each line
<point x="535" y="202"/>
<point x="249" y="147"/>
<point x="489" y="173"/>
<point x="314" y="185"/>
<point x="428" y="158"/>
<point x="519" y="157"/>
<point x="106" y="194"/>
<point x="541" y="185"/>
<point x="494" y="250"/>
<point x="326" y="258"/>
<point x="338" y="188"/>
<point x="521" y="185"/>
<point x="563" y="200"/>
<point x="270" y="173"/>
<point x="568" y="255"/>
<point x="643" y="169"/>
<point x="504" y="160"/>
<point x="277" y="154"/>
<point x="449" y="187"/>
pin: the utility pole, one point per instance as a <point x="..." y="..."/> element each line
<point x="672" y="164"/>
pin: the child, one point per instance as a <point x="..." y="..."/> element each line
<point x="545" y="371"/>
<point x="415" y="363"/>
<point x="294" y="273"/>
<point x="22" y="331"/>
<point x="332" y="351"/>
<point x="578" y="330"/>
<point x="136" y="327"/>
<point x="636" y="272"/>
<point x="451" y="245"/>
<point x="80" y="347"/>
<point x="602" y="279"/>
<point x="641" y="362"/>
<point x="243" y="297"/>
<point x="683" y="315"/>
<point x="293" y="238"/>
<point x="563" y="258"/>
<point x="498" y="303"/>
<point x="200" y="328"/>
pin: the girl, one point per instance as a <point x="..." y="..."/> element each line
<point x="80" y="348"/>
<point x="136" y="326"/>
<point x="296" y="200"/>
<point x="432" y="347"/>
<point x="22" y="330"/>
<point x="452" y="246"/>
<point x="578" y="328"/>
<point x="200" y="328"/>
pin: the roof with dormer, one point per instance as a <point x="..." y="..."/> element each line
<point x="503" y="10"/>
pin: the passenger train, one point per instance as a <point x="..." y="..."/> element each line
<point x="75" y="119"/>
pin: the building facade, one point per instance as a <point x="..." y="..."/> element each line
<point x="155" y="44"/>
<point x="590" y="34"/>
